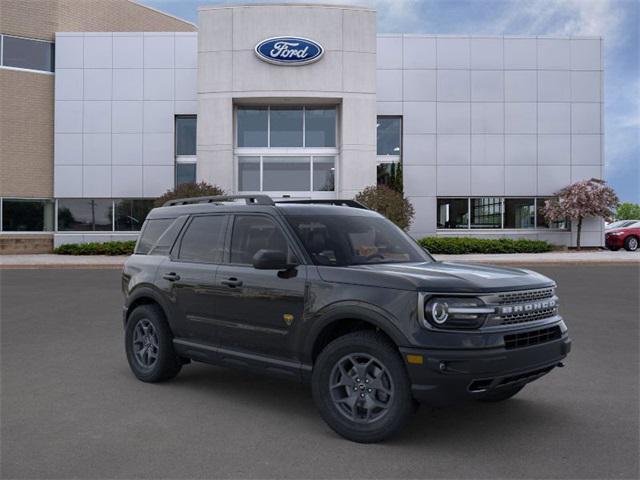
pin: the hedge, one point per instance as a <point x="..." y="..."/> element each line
<point x="462" y="245"/>
<point x="97" y="248"/>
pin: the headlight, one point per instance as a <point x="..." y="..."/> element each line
<point x="616" y="233"/>
<point x="455" y="312"/>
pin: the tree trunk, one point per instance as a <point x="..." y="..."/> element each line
<point x="579" y="231"/>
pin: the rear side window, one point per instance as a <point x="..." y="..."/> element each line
<point x="204" y="239"/>
<point x="158" y="235"/>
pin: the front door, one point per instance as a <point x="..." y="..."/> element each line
<point x="257" y="309"/>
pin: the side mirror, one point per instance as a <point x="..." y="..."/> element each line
<point x="270" y="260"/>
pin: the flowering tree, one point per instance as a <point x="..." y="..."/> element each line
<point x="388" y="202"/>
<point x="586" y="198"/>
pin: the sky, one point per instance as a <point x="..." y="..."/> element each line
<point x="617" y="21"/>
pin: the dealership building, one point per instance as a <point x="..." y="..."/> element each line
<point x="108" y="104"/>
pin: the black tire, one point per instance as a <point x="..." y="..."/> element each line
<point x="385" y="373"/>
<point x="501" y="394"/>
<point x="165" y="364"/>
<point x="631" y="243"/>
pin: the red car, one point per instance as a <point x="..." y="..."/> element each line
<point x="627" y="237"/>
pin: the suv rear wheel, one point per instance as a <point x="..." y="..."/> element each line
<point x="361" y="387"/>
<point x="149" y="345"/>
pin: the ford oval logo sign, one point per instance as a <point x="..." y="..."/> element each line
<point x="289" y="51"/>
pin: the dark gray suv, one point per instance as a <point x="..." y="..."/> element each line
<point x="338" y="296"/>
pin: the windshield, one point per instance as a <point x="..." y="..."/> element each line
<point x="342" y="240"/>
<point x="621" y="224"/>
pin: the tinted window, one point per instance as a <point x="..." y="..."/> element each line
<point x="486" y="212"/>
<point x="324" y="169"/>
<point x="27" y="215"/>
<point x="253" y="124"/>
<point x="286" y="127"/>
<point x="85" y="214"/>
<point x="204" y="239"/>
<point x="339" y="240"/>
<point x="389" y="133"/>
<point x="542" y="221"/>
<point x="130" y="214"/>
<point x="453" y="213"/>
<point x="26" y="53"/>
<point x="186" y="135"/>
<point x="248" y="174"/>
<point x="185" y="173"/>
<point x="519" y="213"/>
<point x="286" y="174"/>
<point x="320" y="127"/>
<point x="151" y="232"/>
<point x="252" y="233"/>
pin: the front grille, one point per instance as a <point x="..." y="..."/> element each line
<point x="509" y="298"/>
<point x="534" y="337"/>
<point x="527" y="297"/>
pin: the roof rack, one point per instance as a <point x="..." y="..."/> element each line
<point x="336" y="202"/>
<point x="249" y="199"/>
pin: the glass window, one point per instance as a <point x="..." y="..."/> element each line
<point x="186" y="135"/>
<point x="519" y="213"/>
<point x="204" y="239"/>
<point x="324" y="169"/>
<point x="26" y="215"/>
<point x="339" y="240"/>
<point x="541" y="220"/>
<point x="131" y="213"/>
<point x="285" y="125"/>
<point x="253" y="124"/>
<point x="320" y="127"/>
<point x="252" y="233"/>
<point x="453" y="213"/>
<point x="185" y="172"/>
<point x="389" y="132"/>
<point x="25" y="53"/>
<point x="486" y="212"/>
<point x="249" y="174"/>
<point x="286" y="174"/>
<point x="85" y="215"/>
<point x="390" y="174"/>
<point x="151" y="232"/>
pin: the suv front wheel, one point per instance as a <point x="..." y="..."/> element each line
<point x="361" y="387"/>
<point x="149" y="345"/>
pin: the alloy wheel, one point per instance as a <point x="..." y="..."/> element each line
<point x="145" y="343"/>
<point x="361" y="388"/>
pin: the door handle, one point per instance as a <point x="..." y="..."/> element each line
<point x="171" y="276"/>
<point x="232" y="282"/>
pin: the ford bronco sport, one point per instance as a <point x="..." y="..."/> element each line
<point x="336" y="295"/>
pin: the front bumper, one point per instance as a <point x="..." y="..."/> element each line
<point x="614" y="241"/>
<point x="450" y="376"/>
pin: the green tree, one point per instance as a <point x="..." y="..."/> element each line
<point x="388" y="202"/>
<point x="628" y="211"/>
<point x="189" y="190"/>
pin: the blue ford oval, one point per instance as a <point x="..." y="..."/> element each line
<point x="289" y="50"/>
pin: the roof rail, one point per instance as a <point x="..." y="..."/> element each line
<point x="249" y="199"/>
<point x="336" y="202"/>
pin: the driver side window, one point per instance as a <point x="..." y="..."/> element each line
<point x="252" y="233"/>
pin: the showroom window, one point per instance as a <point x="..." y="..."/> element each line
<point x="389" y="152"/>
<point x="186" y="140"/>
<point x="97" y="214"/>
<point x="287" y="150"/>
<point x="26" y="215"/>
<point x="493" y="213"/>
<point x="26" y="53"/>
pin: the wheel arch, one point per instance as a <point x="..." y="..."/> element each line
<point x="144" y="296"/>
<point x="347" y="318"/>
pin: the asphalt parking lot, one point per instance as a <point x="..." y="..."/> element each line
<point x="70" y="408"/>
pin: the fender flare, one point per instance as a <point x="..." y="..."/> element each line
<point x="353" y="310"/>
<point x="145" y="291"/>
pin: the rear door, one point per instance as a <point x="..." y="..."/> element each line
<point x="257" y="309"/>
<point x="191" y="275"/>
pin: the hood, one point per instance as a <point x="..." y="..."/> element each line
<point x="437" y="277"/>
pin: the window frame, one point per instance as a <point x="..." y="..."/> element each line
<point x="183" y="159"/>
<point x="22" y="69"/>
<point x="390" y="159"/>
